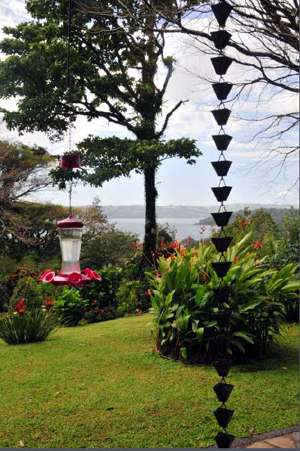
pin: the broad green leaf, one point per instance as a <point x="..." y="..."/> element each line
<point x="244" y="336"/>
<point x="183" y="353"/>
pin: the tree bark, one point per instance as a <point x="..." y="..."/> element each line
<point x="150" y="217"/>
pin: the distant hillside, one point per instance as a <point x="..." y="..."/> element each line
<point x="276" y="213"/>
<point x="178" y="211"/>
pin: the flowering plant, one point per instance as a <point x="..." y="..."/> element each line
<point x="96" y="314"/>
<point x="184" y="303"/>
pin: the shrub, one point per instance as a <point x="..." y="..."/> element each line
<point x="20" y="273"/>
<point x="28" y="290"/>
<point x="70" y="306"/>
<point x="128" y="296"/>
<point x="28" y="327"/>
<point x="185" y="307"/>
<point x="4" y="297"/>
<point x="135" y="285"/>
<point x="104" y="291"/>
<point x="96" y="314"/>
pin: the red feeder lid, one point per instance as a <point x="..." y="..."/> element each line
<point x="70" y="223"/>
<point x="70" y="161"/>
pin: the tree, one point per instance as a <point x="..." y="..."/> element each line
<point x="23" y="171"/>
<point x="265" y="46"/>
<point x="114" y="68"/>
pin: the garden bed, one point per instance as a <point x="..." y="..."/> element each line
<point x="100" y="386"/>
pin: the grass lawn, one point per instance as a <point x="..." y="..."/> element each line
<point x="100" y="386"/>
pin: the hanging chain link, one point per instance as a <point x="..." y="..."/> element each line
<point x="69" y="92"/>
<point x="222" y="292"/>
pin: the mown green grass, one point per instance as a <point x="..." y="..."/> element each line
<point x="100" y="386"/>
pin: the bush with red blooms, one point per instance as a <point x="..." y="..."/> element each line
<point x="96" y="314"/>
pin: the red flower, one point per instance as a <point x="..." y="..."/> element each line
<point x="49" y="304"/>
<point x="95" y="302"/>
<point x="137" y="246"/>
<point x="75" y="277"/>
<point x="236" y="259"/>
<point x="257" y="245"/>
<point x="102" y="312"/>
<point x="174" y="245"/>
<point x="97" y="308"/>
<point x="245" y="222"/>
<point x="20" y="307"/>
<point x="91" y="311"/>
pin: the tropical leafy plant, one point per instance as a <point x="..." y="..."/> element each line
<point x="184" y="304"/>
<point x="28" y="327"/>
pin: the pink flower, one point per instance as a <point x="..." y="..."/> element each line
<point x="95" y="302"/>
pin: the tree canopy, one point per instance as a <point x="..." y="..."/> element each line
<point x="114" y="66"/>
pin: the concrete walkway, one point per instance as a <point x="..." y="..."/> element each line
<point x="283" y="438"/>
<point x="283" y="441"/>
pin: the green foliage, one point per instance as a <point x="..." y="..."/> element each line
<point x="21" y="272"/>
<point x="185" y="307"/>
<point x="260" y="223"/>
<point x="105" y="158"/>
<point x="112" y="247"/>
<point x="287" y="250"/>
<point x="27" y="290"/>
<point x="128" y="296"/>
<point x="96" y="314"/>
<point x="70" y="306"/>
<point x="31" y="327"/>
<point x="104" y="291"/>
<point x="114" y="61"/>
<point x="4" y="297"/>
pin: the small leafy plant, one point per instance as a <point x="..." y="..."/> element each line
<point x="70" y="306"/>
<point x="28" y="327"/>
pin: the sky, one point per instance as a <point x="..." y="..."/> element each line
<point x="177" y="182"/>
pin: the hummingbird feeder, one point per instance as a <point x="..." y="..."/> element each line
<point x="70" y="236"/>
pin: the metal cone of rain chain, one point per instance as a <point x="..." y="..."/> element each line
<point x="222" y="166"/>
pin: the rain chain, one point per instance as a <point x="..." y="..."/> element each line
<point x="222" y="89"/>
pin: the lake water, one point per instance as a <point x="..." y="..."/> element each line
<point x="185" y="227"/>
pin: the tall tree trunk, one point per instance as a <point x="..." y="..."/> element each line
<point x="150" y="217"/>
